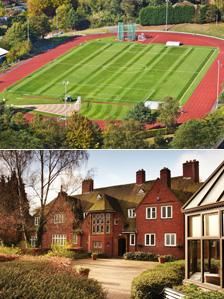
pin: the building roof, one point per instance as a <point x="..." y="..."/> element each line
<point x="123" y="197"/>
<point x="3" y="52"/>
<point x="211" y="192"/>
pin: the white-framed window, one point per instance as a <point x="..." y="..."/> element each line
<point x="85" y="214"/>
<point x="151" y="213"/>
<point x="59" y="240"/>
<point x="166" y="212"/>
<point x="170" y="240"/>
<point x="132" y="240"/>
<point x="98" y="221"/>
<point x="75" y="238"/>
<point x="97" y="244"/>
<point x="116" y="221"/>
<point x="131" y="213"/>
<point x="36" y="221"/>
<point x="59" y="218"/>
<point x="150" y="239"/>
<point x="33" y="241"/>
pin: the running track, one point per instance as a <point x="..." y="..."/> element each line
<point x="202" y="101"/>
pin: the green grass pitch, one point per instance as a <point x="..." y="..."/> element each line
<point x="111" y="77"/>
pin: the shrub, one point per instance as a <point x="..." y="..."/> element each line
<point x="150" y="284"/>
<point x="168" y="258"/>
<point x="10" y="250"/>
<point x="193" y="292"/>
<point x="39" y="280"/>
<point x="140" y="256"/>
<point x="60" y="251"/>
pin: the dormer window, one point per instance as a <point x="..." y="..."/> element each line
<point x="58" y="218"/>
<point x="37" y="221"/>
<point x="141" y="192"/>
<point x="131" y="213"/>
<point x="99" y="196"/>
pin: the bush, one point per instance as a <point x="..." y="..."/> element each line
<point x="60" y="251"/>
<point x="168" y="258"/>
<point x="39" y="280"/>
<point x="10" y="250"/>
<point x="193" y="292"/>
<point x="140" y="256"/>
<point x="150" y="284"/>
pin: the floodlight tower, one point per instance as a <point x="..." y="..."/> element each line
<point x="167" y="13"/>
<point x="65" y="83"/>
<point x="218" y="82"/>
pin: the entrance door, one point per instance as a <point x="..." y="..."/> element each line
<point x="121" y="247"/>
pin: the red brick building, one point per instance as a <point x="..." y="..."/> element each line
<point x="142" y="216"/>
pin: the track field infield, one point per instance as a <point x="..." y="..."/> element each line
<point x="111" y="76"/>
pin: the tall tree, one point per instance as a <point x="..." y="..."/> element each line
<point x="169" y="112"/>
<point x="142" y="114"/>
<point x="65" y="18"/>
<point x="50" y="164"/>
<point x="17" y="161"/>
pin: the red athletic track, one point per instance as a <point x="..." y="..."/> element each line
<point x="200" y="103"/>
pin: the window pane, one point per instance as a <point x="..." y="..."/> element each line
<point x="211" y="225"/>
<point x="194" y="260"/>
<point x="152" y="239"/>
<point x="212" y="261"/>
<point x="195" y="226"/>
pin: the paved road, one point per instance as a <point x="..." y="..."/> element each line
<point x="115" y="275"/>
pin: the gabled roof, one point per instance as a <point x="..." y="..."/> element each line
<point x="211" y="192"/>
<point x="102" y="204"/>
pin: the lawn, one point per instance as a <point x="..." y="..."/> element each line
<point x="111" y="77"/>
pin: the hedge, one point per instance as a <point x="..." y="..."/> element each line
<point x="156" y="15"/>
<point x="150" y="284"/>
<point x="140" y="256"/>
<point x="40" y="280"/>
<point x="194" y="292"/>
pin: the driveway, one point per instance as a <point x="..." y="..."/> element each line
<point x="116" y="275"/>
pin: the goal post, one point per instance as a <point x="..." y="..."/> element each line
<point x="126" y="31"/>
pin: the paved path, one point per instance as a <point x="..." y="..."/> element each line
<point x="58" y="109"/>
<point x="115" y="275"/>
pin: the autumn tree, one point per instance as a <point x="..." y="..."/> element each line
<point x="50" y="164"/>
<point x="82" y="133"/>
<point x="16" y="162"/>
<point x="65" y="18"/>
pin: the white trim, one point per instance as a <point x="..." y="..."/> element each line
<point x="146" y="213"/>
<point x="37" y="220"/>
<point x="130" y="239"/>
<point x="150" y="243"/>
<point x="161" y="211"/>
<point x="175" y="239"/>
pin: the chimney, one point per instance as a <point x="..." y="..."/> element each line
<point x="87" y="185"/>
<point x="140" y="177"/>
<point x="165" y="176"/>
<point x="191" y="170"/>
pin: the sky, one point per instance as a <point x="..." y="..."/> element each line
<point x="115" y="167"/>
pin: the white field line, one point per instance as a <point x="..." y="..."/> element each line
<point x="202" y="69"/>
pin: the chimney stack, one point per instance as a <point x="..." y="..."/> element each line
<point x="191" y="170"/>
<point x="140" y="177"/>
<point x="87" y="185"/>
<point x="165" y="176"/>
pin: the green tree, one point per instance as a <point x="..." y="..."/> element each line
<point x="19" y="50"/>
<point x="2" y="9"/>
<point x="129" y="7"/>
<point x="65" y="18"/>
<point x="49" y="133"/>
<point x="39" y="26"/>
<point x="15" y="34"/>
<point x="203" y="133"/>
<point x="127" y="135"/>
<point x="82" y="134"/>
<point x="142" y="114"/>
<point x="169" y="112"/>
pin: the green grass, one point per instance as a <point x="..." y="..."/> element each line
<point x="111" y="77"/>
